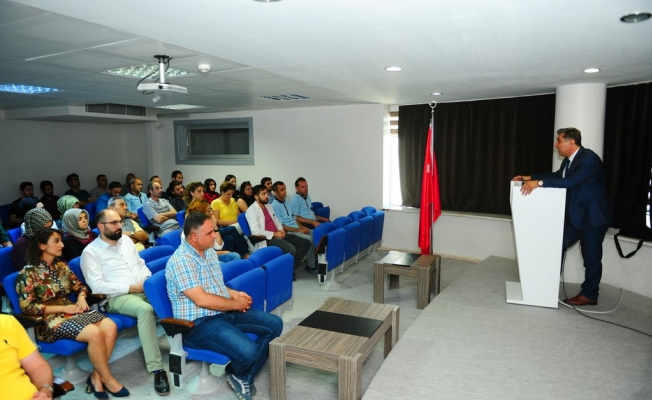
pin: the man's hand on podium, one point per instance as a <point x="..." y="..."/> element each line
<point x="528" y="187"/>
<point x="521" y="178"/>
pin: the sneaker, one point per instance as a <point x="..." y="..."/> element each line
<point x="241" y="388"/>
<point x="252" y="389"/>
<point x="161" y="383"/>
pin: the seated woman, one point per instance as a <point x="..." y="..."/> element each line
<point x="44" y="288"/>
<point x="78" y="234"/>
<point x="225" y="211"/>
<point x="35" y="219"/>
<point x="65" y="203"/>
<point x="209" y="190"/>
<point x="225" y="247"/>
<point x="231" y="178"/>
<point x="194" y="190"/>
<point x="246" y="197"/>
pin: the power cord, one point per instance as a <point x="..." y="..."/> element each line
<point x="585" y="312"/>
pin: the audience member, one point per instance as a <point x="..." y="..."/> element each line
<point x="209" y="190"/>
<point x="263" y="222"/>
<point x="159" y="211"/>
<point x="175" y="191"/>
<point x="114" y="190"/>
<point x="101" y="187"/>
<point x="111" y="266"/>
<point x="26" y="192"/>
<point x="221" y="315"/>
<point x="126" y="188"/>
<point x="49" y="200"/>
<point x="65" y="203"/>
<point x="224" y="207"/>
<point x="129" y="228"/>
<point x="246" y="198"/>
<point x="5" y="241"/>
<point x="77" y="233"/>
<point x="291" y="225"/>
<point x="24" y="374"/>
<point x="35" y="220"/>
<point x="231" y="178"/>
<point x="156" y="178"/>
<point x="194" y="190"/>
<point x="267" y="182"/>
<point x="175" y="176"/>
<point x="83" y="196"/>
<point x="44" y="287"/>
<point x="225" y="247"/>
<point x="301" y="205"/>
<point x="136" y="198"/>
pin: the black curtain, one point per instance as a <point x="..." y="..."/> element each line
<point x="628" y="152"/>
<point x="480" y="146"/>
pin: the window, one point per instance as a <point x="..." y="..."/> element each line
<point x="391" y="177"/>
<point x="215" y="141"/>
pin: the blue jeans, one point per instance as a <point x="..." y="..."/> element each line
<point x="224" y="334"/>
<point x="224" y="258"/>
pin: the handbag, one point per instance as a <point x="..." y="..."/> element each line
<point x="643" y="233"/>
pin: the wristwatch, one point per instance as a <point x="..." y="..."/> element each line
<point x="131" y="235"/>
<point x="45" y="385"/>
<point x="540" y="183"/>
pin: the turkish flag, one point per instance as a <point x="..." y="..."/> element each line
<point x="430" y="203"/>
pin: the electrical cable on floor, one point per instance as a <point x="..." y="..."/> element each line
<point x="584" y="312"/>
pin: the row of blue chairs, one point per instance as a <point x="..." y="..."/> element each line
<point x="345" y="240"/>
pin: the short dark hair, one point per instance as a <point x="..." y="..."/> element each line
<point x="228" y="177"/>
<point x="69" y="177"/>
<point x="265" y="179"/>
<point x="39" y="237"/>
<point x="97" y="178"/>
<point x="192" y="222"/>
<point x="175" y="173"/>
<point x="171" y="186"/>
<point x="150" y="186"/>
<point x="299" y="179"/>
<point x="255" y="191"/>
<point x="100" y="216"/>
<point x="571" y="133"/>
<point x="276" y="185"/>
<point x="152" y="178"/>
<point x="114" y="184"/>
<point x="45" y="183"/>
<point x="226" y="186"/>
<point x="23" y="185"/>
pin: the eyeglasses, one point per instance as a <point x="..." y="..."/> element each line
<point x="114" y="223"/>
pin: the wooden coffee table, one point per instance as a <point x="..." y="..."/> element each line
<point x="337" y="337"/>
<point x="427" y="269"/>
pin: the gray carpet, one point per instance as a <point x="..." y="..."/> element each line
<point x="470" y="344"/>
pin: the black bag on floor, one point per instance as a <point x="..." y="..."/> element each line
<point x="643" y="233"/>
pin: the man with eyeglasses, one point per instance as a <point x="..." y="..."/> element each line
<point x="111" y="266"/>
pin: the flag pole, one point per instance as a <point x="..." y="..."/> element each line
<point x="433" y="105"/>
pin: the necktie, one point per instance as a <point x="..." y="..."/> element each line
<point x="566" y="169"/>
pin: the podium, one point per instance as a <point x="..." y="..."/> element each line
<point x="538" y="220"/>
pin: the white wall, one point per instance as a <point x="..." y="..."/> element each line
<point x="337" y="149"/>
<point x="40" y="150"/>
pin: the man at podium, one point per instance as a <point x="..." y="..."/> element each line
<point x="588" y="213"/>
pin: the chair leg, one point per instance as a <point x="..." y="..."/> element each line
<point x="205" y="383"/>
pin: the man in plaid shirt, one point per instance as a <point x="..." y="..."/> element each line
<point x="197" y="292"/>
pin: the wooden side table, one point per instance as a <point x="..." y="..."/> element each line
<point x="427" y="269"/>
<point x="338" y="337"/>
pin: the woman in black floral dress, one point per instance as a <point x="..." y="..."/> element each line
<point x="44" y="287"/>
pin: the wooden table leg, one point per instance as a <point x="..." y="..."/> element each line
<point x="393" y="281"/>
<point x="349" y="385"/>
<point x="379" y="284"/>
<point x="391" y="336"/>
<point x="277" y="370"/>
<point x="423" y="286"/>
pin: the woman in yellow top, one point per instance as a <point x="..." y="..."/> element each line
<point x="226" y="211"/>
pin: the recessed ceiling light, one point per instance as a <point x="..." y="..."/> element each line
<point x="180" y="107"/>
<point x="436" y="93"/>
<point x="267" y="1"/>
<point x="393" y="69"/>
<point x="26" y="89"/>
<point x="592" y="70"/>
<point x="636" y="17"/>
<point x="285" y="97"/>
<point x="146" y="70"/>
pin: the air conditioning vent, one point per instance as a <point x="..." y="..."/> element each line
<point x="116" y="109"/>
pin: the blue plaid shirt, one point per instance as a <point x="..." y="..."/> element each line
<point x="186" y="269"/>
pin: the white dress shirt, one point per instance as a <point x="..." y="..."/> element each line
<point x="110" y="270"/>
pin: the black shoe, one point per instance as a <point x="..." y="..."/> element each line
<point x="161" y="384"/>
<point x="311" y="271"/>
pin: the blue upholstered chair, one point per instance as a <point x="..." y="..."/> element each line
<point x="158" y="264"/>
<point x="357" y="215"/>
<point x="316" y="205"/>
<point x="65" y="347"/>
<point x="246" y="230"/>
<point x="6" y="268"/>
<point x="279" y="274"/>
<point x="182" y="372"/>
<point x="341" y="222"/>
<point x="172" y="238"/>
<point x="92" y="210"/>
<point x="14" y="234"/>
<point x="144" y="221"/>
<point x="236" y="267"/>
<point x="181" y="217"/>
<point x="324" y="212"/>
<point x="366" y="234"/>
<point x="379" y="223"/>
<point x="368" y="210"/>
<point x="253" y="283"/>
<point x="156" y="252"/>
<point x="330" y="243"/>
<point x="260" y="257"/>
<point x="352" y="246"/>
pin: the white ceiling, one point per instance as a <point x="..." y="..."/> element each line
<point x="333" y="51"/>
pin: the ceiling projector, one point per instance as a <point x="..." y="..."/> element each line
<point x="161" y="85"/>
<point x="153" y="87"/>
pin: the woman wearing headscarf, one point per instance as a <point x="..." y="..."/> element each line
<point x="78" y="234"/>
<point x="35" y="219"/>
<point x="65" y="203"/>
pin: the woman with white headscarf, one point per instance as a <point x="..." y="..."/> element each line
<point x="78" y="234"/>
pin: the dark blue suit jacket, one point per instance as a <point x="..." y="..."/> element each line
<point x="587" y="202"/>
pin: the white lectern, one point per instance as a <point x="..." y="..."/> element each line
<point x="538" y="229"/>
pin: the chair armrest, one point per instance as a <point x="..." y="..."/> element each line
<point x="174" y="326"/>
<point x="61" y="387"/>
<point x="256" y="238"/>
<point x="29" y="321"/>
<point x="151" y="228"/>
<point x="94" y="298"/>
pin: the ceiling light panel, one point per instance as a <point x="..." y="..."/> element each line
<point x="180" y="107"/>
<point x="285" y="97"/>
<point x="144" y="70"/>
<point x="26" y="89"/>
